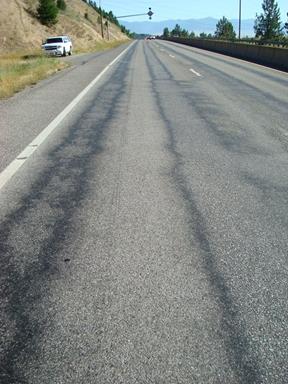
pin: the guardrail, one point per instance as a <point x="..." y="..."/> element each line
<point x="276" y="57"/>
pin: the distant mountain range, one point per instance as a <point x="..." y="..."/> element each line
<point x="207" y="25"/>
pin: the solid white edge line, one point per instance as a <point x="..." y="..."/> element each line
<point x="195" y="73"/>
<point x="13" y="167"/>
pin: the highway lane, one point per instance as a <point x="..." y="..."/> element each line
<point x="146" y="240"/>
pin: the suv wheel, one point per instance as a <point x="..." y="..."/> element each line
<point x="64" y="52"/>
<point x="70" y="51"/>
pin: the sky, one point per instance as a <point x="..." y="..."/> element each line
<point x="188" y="9"/>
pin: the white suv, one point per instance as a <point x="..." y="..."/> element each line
<point x="58" y="45"/>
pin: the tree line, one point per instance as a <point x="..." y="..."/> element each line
<point x="48" y="10"/>
<point x="109" y="16"/>
<point x="267" y="26"/>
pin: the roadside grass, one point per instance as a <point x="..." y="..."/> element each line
<point x="101" y="46"/>
<point x="20" y="69"/>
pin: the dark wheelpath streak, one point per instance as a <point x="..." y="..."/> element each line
<point x="146" y="242"/>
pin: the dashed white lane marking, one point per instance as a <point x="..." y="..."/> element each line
<point x="195" y="73"/>
<point x="172" y="56"/>
<point x="13" y="167"/>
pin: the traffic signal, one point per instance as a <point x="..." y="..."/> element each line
<point x="150" y="13"/>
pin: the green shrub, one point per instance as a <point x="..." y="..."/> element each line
<point x="61" y="5"/>
<point x="47" y="12"/>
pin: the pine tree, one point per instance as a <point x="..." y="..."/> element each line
<point x="184" y="33"/>
<point x="61" y="5"/>
<point x="224" y="29"/>
<point x="47" y="12"/>
<point x="166" y="32"/>
<point x="176" y="31"/>
<point x="268" y="24"/>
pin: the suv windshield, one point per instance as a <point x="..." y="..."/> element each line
<point x="54" y="40"/>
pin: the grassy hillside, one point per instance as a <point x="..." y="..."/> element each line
<point x="21" y="30"/>
<point x="21" y="34"/>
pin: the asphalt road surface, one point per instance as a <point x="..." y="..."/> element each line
<point x="145" y="241"/>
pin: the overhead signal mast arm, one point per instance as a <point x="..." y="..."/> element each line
<point x="149" y="13"/>
<point x="138" y="14"/>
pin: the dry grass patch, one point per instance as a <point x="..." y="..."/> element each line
<point x="102" y="46"/>
<point x="18" y="70"/>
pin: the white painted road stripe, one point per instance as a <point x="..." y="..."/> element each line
<point x="172" y="56"/>
<point x="13" y="167"/>
<point x="195" y="73"/>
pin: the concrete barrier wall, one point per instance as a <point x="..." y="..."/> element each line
<point x="273" y="57"/>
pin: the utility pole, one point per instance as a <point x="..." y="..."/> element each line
<point x="240" y="11"/>
<point x="107" y="25"/>
<point x="101" y="18"/>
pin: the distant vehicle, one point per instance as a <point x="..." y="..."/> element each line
<point x="151" y="37"/>
<point x="58" y="46"/>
